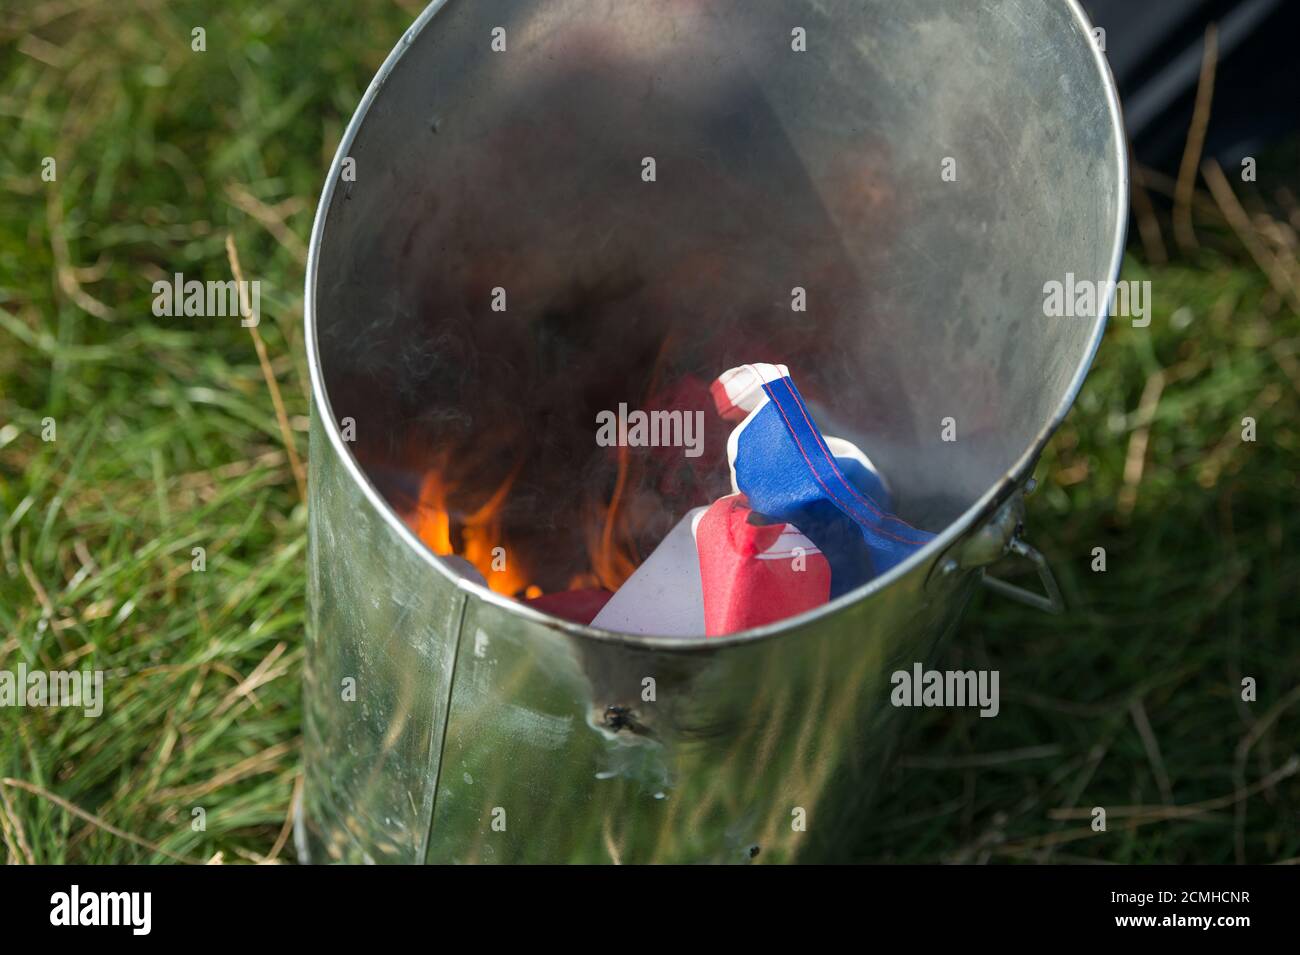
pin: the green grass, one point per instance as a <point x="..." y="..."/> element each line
<point x="1200" y="590"/>
<point x="167" y="440"/>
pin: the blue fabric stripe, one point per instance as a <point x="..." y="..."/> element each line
<point x="785" y="469"/>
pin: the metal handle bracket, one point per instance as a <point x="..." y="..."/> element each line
<point x="1050" y="600"/>
<point x="998" y="537"/>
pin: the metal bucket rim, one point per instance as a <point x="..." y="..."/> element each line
<point x="987" y="502"/>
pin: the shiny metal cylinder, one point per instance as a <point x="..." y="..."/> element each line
<point x="447" y="723"/>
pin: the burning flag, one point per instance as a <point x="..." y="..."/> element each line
<point x="783" y="465"/>
<point x="809" y="518"/>
<point x="755" y="573"/>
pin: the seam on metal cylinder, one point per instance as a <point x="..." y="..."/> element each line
<point x="438" y="747"/>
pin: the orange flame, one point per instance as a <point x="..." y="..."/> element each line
<point x="478" y="537"/>
<point x="480" y="534"/>
<point x="612" y="559"/>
